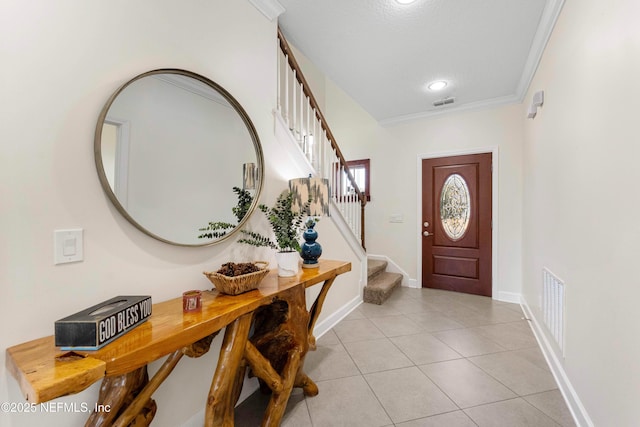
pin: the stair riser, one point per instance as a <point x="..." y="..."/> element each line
<point x="378" y="296"/>
<point x="378" y="291"/>
<point x="380" y="283"/>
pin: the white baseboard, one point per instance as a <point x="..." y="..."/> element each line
<point x="331" y="321"/>
<point x="578" y="411"/>
<point x="509" y="297"/>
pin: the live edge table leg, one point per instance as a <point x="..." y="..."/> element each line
<point x="315" y="311"/>
<point x="135" y="408"/>
<point x="223" y="393"/>
<point x="281" y="335"/>
<point x="302" y="380"/>
<point x="278" y="403"/>
<point x="118" y="392"/>
<point x="129" y="395"/>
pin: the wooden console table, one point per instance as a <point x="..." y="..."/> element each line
<point x="282" y="334"/>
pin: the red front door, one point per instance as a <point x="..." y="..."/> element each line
<point x="456" y="218"/>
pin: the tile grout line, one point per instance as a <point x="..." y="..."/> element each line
<point x="413" y="364"/>
<point x="467" y="358"/>
<point x="364" y="378"/>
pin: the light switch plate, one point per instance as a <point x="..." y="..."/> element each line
<point x="68" y="246"/>
<point x="396" y="217"/>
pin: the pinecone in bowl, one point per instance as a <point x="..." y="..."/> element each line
<point x="233" y="269"/>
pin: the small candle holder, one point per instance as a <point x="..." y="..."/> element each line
<point x="191" y="301"/>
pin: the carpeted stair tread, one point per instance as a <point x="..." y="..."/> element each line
<point x="380" y="287"/>
<point x="374" y="267"/>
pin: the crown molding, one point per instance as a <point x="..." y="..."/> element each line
<point x="452" y="108"/>
<point x="269" y="8"/>
<point x="548" y="21"/>
<point x="194" y="86"/>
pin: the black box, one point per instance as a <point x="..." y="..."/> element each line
<point x="97" y="326"/>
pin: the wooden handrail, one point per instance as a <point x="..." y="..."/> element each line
<point x="286" y="49"/>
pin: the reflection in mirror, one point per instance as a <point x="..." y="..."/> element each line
<point x="219" y="229"/>
<point x="109" y="147"/>
<point x="171" y="146"/>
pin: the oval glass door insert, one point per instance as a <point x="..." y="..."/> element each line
<point x="455" y="206"/>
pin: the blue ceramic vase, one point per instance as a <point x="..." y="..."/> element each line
<point x="311" y="250"/>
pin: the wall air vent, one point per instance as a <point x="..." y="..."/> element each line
<point x="553" y="306"/>
<point x="444" y="101"/>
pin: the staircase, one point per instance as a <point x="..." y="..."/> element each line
<point x="299" y="120"/>
<point x="380" y="283"/>
<point x="300" y="112"/>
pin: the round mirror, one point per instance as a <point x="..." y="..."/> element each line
<point x="179" y="157"/>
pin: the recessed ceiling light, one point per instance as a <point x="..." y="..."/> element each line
<point x="405" y="1"/>
<point x="437" y="85"/>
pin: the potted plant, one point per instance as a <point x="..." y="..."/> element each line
<point x="287" y="226"/>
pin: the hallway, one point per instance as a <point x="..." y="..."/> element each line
<point x="425" y="358"/>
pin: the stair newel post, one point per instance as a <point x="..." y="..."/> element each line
<point x="279" y="84"/>
<point x="350" y="208"/>
<point x="363" y="203"/>
<point x="286" y="91"/>
<point x="316" y="141"/>
<point x="301" y="101"/>
<point x="326" y="159"/>
<point x="293" y="102"/>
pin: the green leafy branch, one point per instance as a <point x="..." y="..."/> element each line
<point x="218" y="229"/>
<point x="258" y="240"/>
<point x="286" y="225"/>
<point x="244" y="203"/>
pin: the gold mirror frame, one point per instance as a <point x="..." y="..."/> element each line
<point x="239" y="110"/>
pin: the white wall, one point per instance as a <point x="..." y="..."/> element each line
<point x="580" y="201"/>
<point x="566" y="193"/>
<point x="395" y="184"/>
<point x="394" y="154"/>
<point x="61" y="61"/>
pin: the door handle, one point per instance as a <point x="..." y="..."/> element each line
<point x="427" y="234"/>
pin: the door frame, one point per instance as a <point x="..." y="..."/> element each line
<point x="121" y="173"/>
<point x="495" y="196"/>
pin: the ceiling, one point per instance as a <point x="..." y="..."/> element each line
<point x="383" y="54"/>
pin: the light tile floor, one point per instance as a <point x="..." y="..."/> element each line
<point x="425" y="358"/>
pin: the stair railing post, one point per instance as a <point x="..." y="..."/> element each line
<point x="300" y="122"/>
